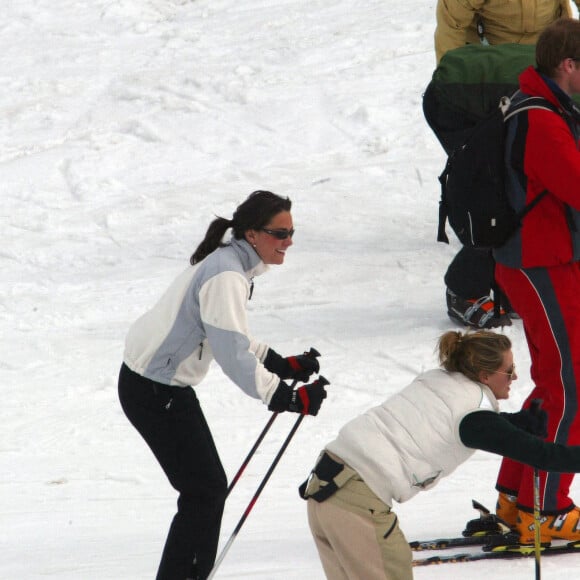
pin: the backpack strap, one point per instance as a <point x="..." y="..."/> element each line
<point x="443" y="211"/>
<point x="527" y="104"/>
<point x="532" y="204"/>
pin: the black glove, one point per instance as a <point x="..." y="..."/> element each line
<point x="305" y="400"/>
<point x="298" y="367"/>
<point x="302" y="366"/>
<point x="533" y="421"/>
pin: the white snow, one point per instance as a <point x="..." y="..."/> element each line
<point x="125" y="126"/>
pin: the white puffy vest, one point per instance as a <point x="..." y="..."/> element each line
<point x="409" y="442"/>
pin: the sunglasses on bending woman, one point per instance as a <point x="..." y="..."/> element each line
<point x="510" y="372"/>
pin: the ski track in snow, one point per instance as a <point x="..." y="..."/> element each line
<point x="126" y="125"/>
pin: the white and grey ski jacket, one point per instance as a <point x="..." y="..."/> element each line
<point x="411" y="441"/>
<point x="201" y="317"/>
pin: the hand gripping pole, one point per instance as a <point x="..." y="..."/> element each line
<point x="313" y="353"/>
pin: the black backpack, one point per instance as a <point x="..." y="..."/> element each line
<point x="473" y="197"/>
<point x="464" y="104"/>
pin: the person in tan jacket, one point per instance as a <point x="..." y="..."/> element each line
<point x="462" y="22"/>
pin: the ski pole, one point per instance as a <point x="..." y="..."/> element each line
<point x="251" y="453"/>
<point x="313" y="353"/>
<point x="537" y="523"/>
<point x="253" y="501"/>
<point x="534" y="409"/>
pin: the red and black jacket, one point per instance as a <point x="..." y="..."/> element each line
<point x="542" y="153"/>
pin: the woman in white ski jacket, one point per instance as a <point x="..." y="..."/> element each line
<point x="408" y="444"/>
<point x="202" y="317"/>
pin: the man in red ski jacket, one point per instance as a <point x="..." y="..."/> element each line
<point x="539" y="270"/>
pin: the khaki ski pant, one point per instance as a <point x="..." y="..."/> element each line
<point x="358" y="536"/>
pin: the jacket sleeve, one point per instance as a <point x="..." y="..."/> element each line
<point x="552" y="158"/>
<point x="222" y="303"/>
<point x="491" y="432"/>
<point x="454" y="17"/>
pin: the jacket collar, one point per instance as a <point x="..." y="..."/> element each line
<point x="535" y="84"/>
<point x="251" y="262"/>
<point x="565" y="100"/>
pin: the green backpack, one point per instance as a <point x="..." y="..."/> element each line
<point x="467" y="87"/>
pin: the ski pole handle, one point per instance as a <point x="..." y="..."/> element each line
<point x="539" y="419"/>
<point x="312" y="353"/>
<point x="304" y="365"/>
<point x="322" y="381"/>
<point x="535" y="406"/>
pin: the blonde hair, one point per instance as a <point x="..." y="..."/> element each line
<point x="470" y="353"/>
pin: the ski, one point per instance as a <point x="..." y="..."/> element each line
<point x="446" y="543"/>
<point x="500" y="552"/>
<point x="487" y="530"/>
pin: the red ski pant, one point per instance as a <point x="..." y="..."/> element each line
<point x="548" y="301"/>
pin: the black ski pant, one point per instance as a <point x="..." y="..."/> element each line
<point x="171" y="421"/>
<point x="471" y="273"/>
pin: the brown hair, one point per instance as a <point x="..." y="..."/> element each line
<point x="558" y="41"/>
<point x="253" y="214"/>
<point x="472" y="352"/>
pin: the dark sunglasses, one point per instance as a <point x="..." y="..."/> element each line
<point x="280" y="234"/>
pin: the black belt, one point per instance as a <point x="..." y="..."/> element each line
<point x="326" y="470"/>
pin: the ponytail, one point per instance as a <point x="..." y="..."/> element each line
<point x="213" y="239"/>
